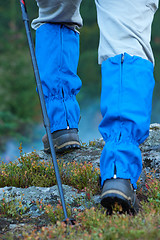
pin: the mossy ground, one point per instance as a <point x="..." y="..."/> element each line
<point x="92" y="223"/>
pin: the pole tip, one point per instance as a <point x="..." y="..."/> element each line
<point x="69" y="221"/>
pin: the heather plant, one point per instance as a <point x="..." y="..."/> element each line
<point x="153" y="192"/>
<point x="81" y="175"/>
<point x="93" y="223"/>
<point x="12" y="207"/>
<point x="55" y="213"/>
<point x="29" y="170"/>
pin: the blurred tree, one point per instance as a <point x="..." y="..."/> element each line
<point x="18" y="96"/>
<point x="13" y="18"/>
<point x="88" y="11"/>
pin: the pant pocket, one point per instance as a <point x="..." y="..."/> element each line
<point x="152" y="4"/>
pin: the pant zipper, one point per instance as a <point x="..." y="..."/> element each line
<point x="120" y="95"/>
<point x="119" y="137"/>
<point x="60" y="66"/>
<point x="65" y="109"/>
<point x="122" y="58"/>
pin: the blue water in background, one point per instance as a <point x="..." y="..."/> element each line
<point x="88" y="130"/>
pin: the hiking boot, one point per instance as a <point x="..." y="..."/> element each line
<point x="121" y="192"/>
<point x="63" y="140"/>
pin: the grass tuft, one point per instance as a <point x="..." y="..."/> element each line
<point x="31" y="171"/>
<point x="91" y="223"/>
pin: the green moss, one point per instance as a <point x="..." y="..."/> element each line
<point x="92" y="223"/>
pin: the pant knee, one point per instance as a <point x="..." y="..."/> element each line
<point x="55" y="11"/>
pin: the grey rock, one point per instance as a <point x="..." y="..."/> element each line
<point x="90" y="153"/>
<point x="29" y="196"/>
<point x="13" y="226"/>
<point x="150" y="152"/>
<point x="96" y="199"/>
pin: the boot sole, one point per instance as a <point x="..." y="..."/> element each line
<point x="64" y="147"/>
<point x="109" y="199"/>
<point x="65" y="142"/>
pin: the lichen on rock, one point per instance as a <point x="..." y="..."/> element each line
<point x="89" y="153"/>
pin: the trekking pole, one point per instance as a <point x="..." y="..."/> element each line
<point x="43" y="108"/>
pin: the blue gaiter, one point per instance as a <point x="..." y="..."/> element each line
<point x="57" y="52"/>
<point x="126" y="103"/>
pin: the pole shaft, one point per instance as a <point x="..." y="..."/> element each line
<point x="42" y="103"/>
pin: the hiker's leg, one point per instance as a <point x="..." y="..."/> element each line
<point x="57" y="51"/>
<point x="127" y="84"/>
<point x="58" y="11"/>
<point x="125" y="26"/>
<point x="126" y="102"/>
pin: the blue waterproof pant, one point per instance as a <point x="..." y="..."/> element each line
<point x="126" y="102"/>
<point x="127" y="78"/>
<point x="57" y="51"/>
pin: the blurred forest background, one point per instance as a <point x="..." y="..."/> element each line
<point x="19" y="105"/>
